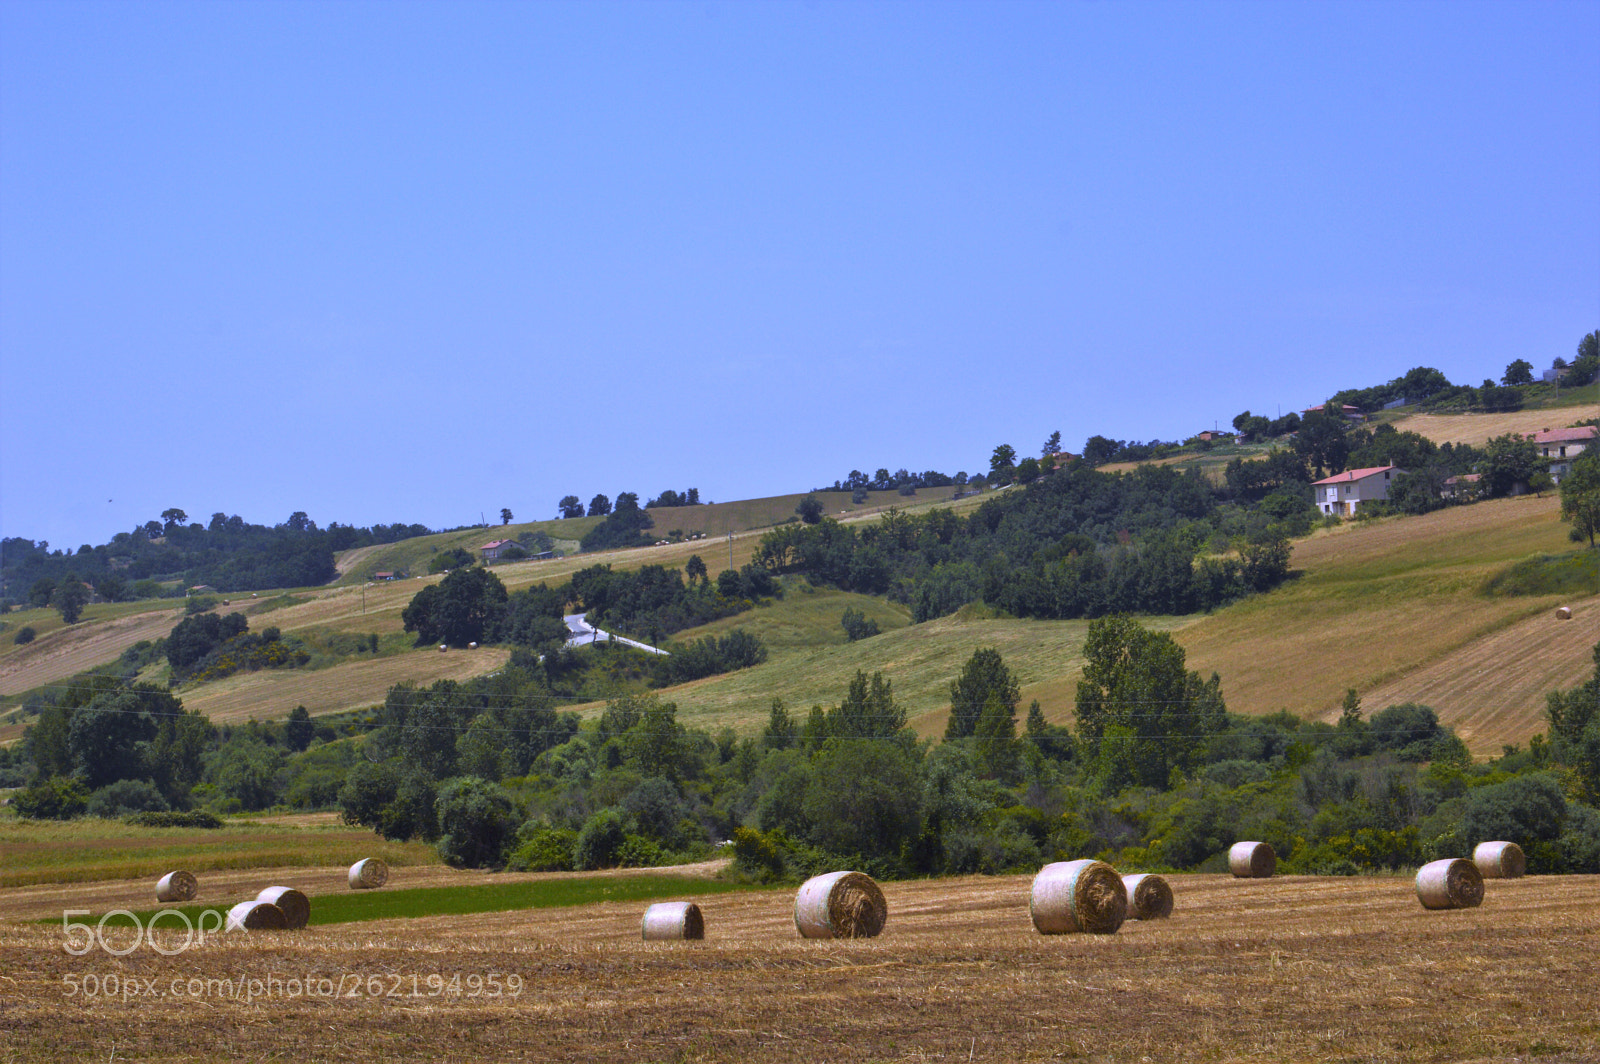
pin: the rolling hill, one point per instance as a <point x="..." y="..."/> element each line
<point x="1391" y="607"/>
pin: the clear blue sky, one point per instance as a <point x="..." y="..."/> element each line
<point x="416" y="262"/>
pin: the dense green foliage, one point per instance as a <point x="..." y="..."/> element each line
<point x="1078" y="543"/>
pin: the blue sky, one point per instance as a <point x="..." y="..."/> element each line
<point x="416" y="262"/>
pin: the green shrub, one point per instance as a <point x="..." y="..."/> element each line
<point x="126" y="796"/>
<point x="56" y="798"/>
<point x="24" y="635"/>
<point x="543" y="849"/>
<point x="194" y="818"/>
<point x="599" y="841"/>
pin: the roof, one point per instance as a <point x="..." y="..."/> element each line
<point x="1570" y="435"/>
<point x="1350" y="476"/>
<point x="496" y="543"/>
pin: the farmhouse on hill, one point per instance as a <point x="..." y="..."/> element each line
<point x="492" y="550"/>
<point x="1561" y="446"/>
<point x="1343" y="493"/>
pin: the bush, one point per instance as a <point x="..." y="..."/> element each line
<point x="56" y="798"/>
<point x="857" y="625"/>
<point x="543" y="849"/>
<point x="195" y="818"/>
<point x="126" y="796"/>
<point x="477" y="821"/>
<point x="24" y="635"/>
<point x="599" y="841"/>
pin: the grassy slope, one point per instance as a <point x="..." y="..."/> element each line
<point x="1390" y="608"/>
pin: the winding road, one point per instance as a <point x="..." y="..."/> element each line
<point x="583" y="633"/>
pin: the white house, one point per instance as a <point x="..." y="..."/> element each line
<point x="1341" y="494"/>
<point x="1561" y="446"/>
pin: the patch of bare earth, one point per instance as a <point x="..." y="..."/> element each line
<point x="1289" y="969"/>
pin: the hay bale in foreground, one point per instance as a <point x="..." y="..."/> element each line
<point x="1252" y="860"/>
<point x="840" y="905"/>
<point x="177" y="886"/>
<point x="1453" y="883"/>
<point x="1083" y="895"/>
<point x="1563" y="613"/>
<point x="1499" y="860"/>
<point x="254" y="915"/>
<point x="295" y="905"/>
<point x="673" y="921"/>
<point x="1149" y="897"/>
<point x="368" y="874"/>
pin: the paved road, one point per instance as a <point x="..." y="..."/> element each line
<point x="583" y="633"/>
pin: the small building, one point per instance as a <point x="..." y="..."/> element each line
<point x="202" y="589"/>
<point x="1343" y="493"/>
<point x="1463" y="486"/>
<point x="1346" y="411"/>
<point x="1561" y="446"/>
<point x="493" y="550"/>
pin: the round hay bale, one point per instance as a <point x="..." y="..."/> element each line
<point x="1499" y="860"/>
<point x="1149" y="897"/>
<point x="177" y="886"/>
<point x="254" y="915"/>
<point x="840" y="905"/>
<point x="673" y="921"/>
<point x="295" y="905"/>
<point x="1081" y="895"/>
<point x="1453" y="883"/>
<point x="1252" y="860"/>
<point x="1563" y="613"/>
<point x="368" y="873"/>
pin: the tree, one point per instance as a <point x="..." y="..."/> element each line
<point x="810" y="509"/>
<point x="173" y="517"/>
<point x="1140" y="713"/>
<point x="1098" y="450"/>
<point x="1508" y="461"/>
<point x="599" y="506"/>
<point x="505" y="515"/>
<point x="477" y="822"/>
<point x="462" y="608"/>
<point x="1002" y="464"/>
<point x="298" y="730"/>
<point x="695" y="569"/>
<point x="1580" y="497"/>
<point x="985" y="673"/>
<point x="1028" y="470"/>
<point x="1323" y="443"/>
<point x="1052" y="445"/>
<point x="857" y="625"/>
<point x="70" y="596"/>
<point x="1519" y="371"/>
<point x="570" y="506"/>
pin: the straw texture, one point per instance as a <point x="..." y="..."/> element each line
<point x="1252" y="860"/>
<point x="295" y="905"/>
<point x="177" y="886"/>
<point x="840" y="905"/>
<point x="1071" y="896"/>
<point x="256" y="915"/>
<point x="1453" y="883"/>
<point x="673" y="921"/>
<point x="1500" y="860"/>
<point x="1149" y="897"/>
<point x="369" y="873"/>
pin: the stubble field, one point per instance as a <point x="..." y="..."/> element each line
<point x="1289" y="969"/>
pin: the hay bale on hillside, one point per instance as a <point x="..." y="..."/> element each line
<point x="1499" y="860"/>
<point x="1083" y="895"/>
<point x="254" y="915"/>
<point x="295" y="905"/>
<point x="1453" y="883"/>
<point x="177" y="886"/>
<point x="1149" y="897"/>
<point x="1563" y="613"/>
<point x="368" y="874"/>
<point x="840" y="905"/>
<point x="673" y="921"/>
<point x="1252" y="860"/>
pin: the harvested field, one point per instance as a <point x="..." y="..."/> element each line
<point x="270" y="694"/>
<point x="67" y="651"/>
<point x="1478" y="429"/>
<point x="1289" y="969"/>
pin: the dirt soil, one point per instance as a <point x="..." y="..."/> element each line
<point x="1288" y="969"/>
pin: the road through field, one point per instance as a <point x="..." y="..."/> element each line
<point x="1288" y="969"/>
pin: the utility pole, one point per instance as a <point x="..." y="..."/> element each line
<point x="730" y="549"/>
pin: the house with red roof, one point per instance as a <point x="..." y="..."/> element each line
<point x="1561" y="446"/>
<point x="1343" y="493"/>
<point x="492" y="550"/>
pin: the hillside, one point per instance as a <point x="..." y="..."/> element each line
<point x="1390" y="607"/>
